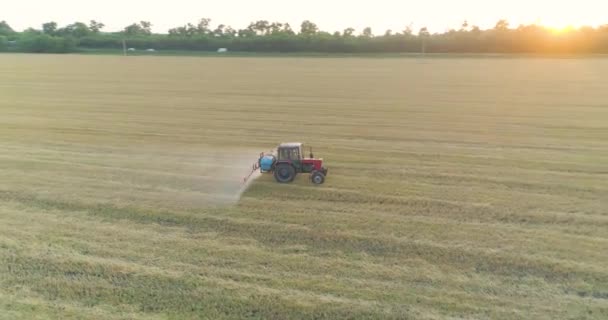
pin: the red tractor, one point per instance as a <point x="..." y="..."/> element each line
<point x="288" y="161"/>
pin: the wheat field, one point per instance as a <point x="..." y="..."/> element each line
<point x="458" y="187"/>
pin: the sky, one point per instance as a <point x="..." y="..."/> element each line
<point x="329" y="15"/>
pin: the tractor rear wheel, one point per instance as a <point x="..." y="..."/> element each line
<point x="317" y="177"/>
<point x="284" y="173"/>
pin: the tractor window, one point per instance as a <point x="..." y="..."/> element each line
<point x="295" y="154"/>
<point x="289" y="154"/>
<point x="283" y="154"/>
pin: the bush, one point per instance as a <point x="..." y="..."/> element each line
<point x="3" y="44"/>
<point x="46" y="44"/>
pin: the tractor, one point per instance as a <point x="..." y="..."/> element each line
<point x="287" y="161"/>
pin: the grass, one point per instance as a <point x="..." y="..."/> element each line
<point x="458" y="188"/>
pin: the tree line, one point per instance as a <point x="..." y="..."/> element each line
<point x="265" y="36"/>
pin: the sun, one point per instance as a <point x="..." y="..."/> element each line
<point x="557" y="27"/>
<point x="560" y="30"/>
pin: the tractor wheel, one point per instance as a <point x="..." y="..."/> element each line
<point x="284" y="173"/>
<point x="317" y="177"/>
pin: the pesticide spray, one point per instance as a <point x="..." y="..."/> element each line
<point x="247" y="182"/>
<point x="238" y="174"/>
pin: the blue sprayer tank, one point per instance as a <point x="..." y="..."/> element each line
<point x="266" y="162"/>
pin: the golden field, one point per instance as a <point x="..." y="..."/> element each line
<point x="458" y="187"/>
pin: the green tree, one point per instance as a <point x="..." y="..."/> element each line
<point x="3" y="43"/>
<point x="260" y="27"/>
<point x="203" y="26"/>
<point x="43" y="43"/>
<point x="367" y="32"/>
<point x="408" y="31"/>
<point x="177" y="31"/>
<point x="133" y="29"/>
<point x="49" y="28"/>
<point x="276" y="28"/>
<point x="308" y="28"/>
<point x="219" y="31"/>
<point x="95" y="26"/>
<point x="76" y="29"/>
<point x="229" y="32"/>
<point x="246" y="33"/>
<point x="5" y="29"/>
<point x="31" y="31"/>
<point x="186" y="31"/>
<point x="424" y="32"/>
<point x="143" y="28"/>
<point x="348" y="32"/>
<point x="287" y="29"/>
<point x="502" y="25"/>
<point x="146" y="26"/>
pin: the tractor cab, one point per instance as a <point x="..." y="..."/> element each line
<point x="289" y="151"/>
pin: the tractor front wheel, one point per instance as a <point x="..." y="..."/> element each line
<point x="284" y="173"/>
<point x="317" y="177"/>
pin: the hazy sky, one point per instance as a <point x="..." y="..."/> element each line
<point x="330" y="15"/>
